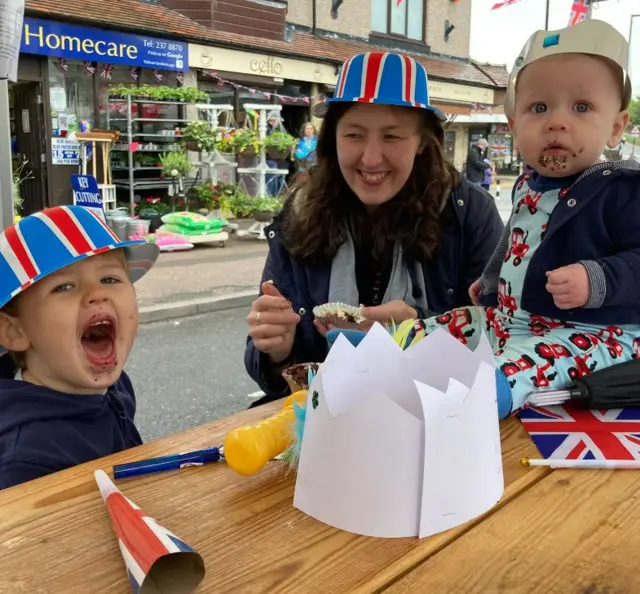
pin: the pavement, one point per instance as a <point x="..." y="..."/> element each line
<point x="203" y="279"/>
<point x="210" y="278"/>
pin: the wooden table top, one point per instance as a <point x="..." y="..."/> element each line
<point x="56" y="535"/>
<point x="572" y="533"/>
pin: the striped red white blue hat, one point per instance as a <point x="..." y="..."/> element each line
<point x="382" y="78"/>
<point x="49" y="240"/>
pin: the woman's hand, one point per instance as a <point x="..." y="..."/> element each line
<point x="474" y="293"/>
<point x="272" y="324"/>
<point x="395" y="311"/>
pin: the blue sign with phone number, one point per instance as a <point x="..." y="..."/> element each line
<point x="74" y="42"/>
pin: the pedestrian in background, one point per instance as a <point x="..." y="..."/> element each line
<point x="476" y="165"/>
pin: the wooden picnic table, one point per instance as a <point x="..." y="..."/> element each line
<point x="553" y="531"/>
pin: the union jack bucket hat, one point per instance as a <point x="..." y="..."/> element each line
<point x="49" y="240"/>
<point x="383" y="78"/>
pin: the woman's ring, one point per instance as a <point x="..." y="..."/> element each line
<point x="258" y="318"/>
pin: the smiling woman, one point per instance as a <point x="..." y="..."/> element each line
<point x="384" y="221"/>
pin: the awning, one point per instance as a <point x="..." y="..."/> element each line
<point x="481" y="118"/>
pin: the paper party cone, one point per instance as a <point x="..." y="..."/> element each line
<point x="157" y="561"/>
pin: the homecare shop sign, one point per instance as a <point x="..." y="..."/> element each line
<point x="73" y="42"/>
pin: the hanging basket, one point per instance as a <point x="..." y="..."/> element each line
<point x="263" y="216"/>
<point x="246" y="161"/>
<point x="248" y="152"/>
<point x="274" y="153"/>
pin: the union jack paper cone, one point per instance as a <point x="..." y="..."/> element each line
<point x="156" y="559"/>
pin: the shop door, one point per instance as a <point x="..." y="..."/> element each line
<point x="449" y="146"/>
<point x="28" y="111"/>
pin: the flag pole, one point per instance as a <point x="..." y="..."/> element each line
<point x="546" y="17"/>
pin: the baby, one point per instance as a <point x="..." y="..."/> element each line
<point x="68" y="319"/>
<point x="560" y="298"/>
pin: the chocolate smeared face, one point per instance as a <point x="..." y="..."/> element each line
<point x="556" y="157"/>
<point x="80" y="324"/>
<point x="567" y="111"/>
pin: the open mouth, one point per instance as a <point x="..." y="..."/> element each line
<point x="555" y="148"/>
<point x="555" y="156"/>
<point x="99" y="341"/>
<point x="373" y="178"/>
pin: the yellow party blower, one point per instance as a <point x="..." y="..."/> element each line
<point x="248" y="449"/>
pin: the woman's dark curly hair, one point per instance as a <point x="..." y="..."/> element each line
<point x="315" y="213"/>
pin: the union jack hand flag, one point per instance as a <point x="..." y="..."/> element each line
<point x="579" y="11"/>
<point x="566" y="433"/>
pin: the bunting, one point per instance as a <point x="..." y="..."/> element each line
<point x="221" y="83"/>
<point x="481" y="107"/>
<point x="106" y="71"/>
<point x="504" y="3"/>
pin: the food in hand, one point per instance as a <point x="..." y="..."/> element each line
<point x="339" y="315"/>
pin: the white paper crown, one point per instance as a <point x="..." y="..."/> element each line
<point x="401" y="443"/>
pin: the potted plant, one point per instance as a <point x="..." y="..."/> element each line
<point x="207" y="196"/>
<point x="226" y="143"/>
<point x="199" y="136"/>
<point x="151" y="207"/>
<point x="175" y="164"/>
<point x="237" y="202"/>
<point x="20" y="175"/>
<point x="279" y="145"/>
<point x="246" y="141"/>
<point x="265" y="208"/>
<point x="160" y="93"/>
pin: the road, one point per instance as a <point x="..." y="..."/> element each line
<point x="189" y="372"/>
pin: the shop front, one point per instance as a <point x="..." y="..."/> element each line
<point x="458" y="101"/>
<point x="494" y="128"/>
<point x="64" y="74"/>
<point x="236" y="77"/>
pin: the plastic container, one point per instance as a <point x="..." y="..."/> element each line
<point x="136" y="227"/>
<point x="117" y="220"/>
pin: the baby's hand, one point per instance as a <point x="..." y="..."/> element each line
<point x="569" y="286"/>
<point x="474" y="293"/>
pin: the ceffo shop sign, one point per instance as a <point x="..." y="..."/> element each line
<point x="229" y="60"/>
<point x="62" y="40"/>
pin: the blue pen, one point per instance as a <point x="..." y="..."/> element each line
<point x="172" y="462"/>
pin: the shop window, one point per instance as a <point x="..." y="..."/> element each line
<point x="404" y="19"/>
<point x="70" y="96"/>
